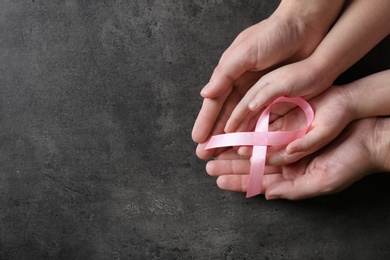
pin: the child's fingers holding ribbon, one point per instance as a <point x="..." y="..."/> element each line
<point x="332" y="115"/>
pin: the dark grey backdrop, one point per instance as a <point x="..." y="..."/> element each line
<point x="97" y="102"/>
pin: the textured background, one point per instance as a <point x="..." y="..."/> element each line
<point x="97" y="102"/>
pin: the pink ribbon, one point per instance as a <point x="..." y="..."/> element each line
<point x="260" y="139"/>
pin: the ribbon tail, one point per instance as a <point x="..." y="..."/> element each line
<point x="256" y="173"/>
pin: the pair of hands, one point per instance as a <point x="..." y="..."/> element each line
<point x="266" y="61"/>
<point x="303" y="169"/>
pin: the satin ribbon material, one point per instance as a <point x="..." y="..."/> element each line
<point x="260" y="139"/>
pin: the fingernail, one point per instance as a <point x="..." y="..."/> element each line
<point x="205" y="89"/>
<point x="290" y="150"/>
<point x="244" y="151"/>
<point x="293" y="149"/>
<point x="253" y="105"/>
<point x="272" y="197"/>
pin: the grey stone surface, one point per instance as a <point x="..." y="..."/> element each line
<point x="98" y="99"/>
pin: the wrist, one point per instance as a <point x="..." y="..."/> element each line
<point x="343" y="104"/>
<point x="318" y="15"/>
<point x="319" y="73"/>
<point x="350" y="100"/>
<point x="374" y="90"/>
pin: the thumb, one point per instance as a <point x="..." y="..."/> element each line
<point x="318" y="137"/>
<point x="303" y="187"/>
<point x="236" y="60"/>
<point x="300" y="148"/>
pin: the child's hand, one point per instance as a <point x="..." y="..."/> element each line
<point x="333" y="109"/>
<point x="300" y="79"/>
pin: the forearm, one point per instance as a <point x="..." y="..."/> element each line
<point x="317" y="14"/>
<point x="369" y="96"/>
<point x="362" y="25"/>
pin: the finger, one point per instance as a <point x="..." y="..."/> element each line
<point x="281" y="109"/>
<point x="245" y="151"/>
<point x="266" y="92"/>
<point x="239" y="183"/>
<point x="281" y="157"/>
<point x="243" y="85"/>
<point x="207" y="116"/>
<point x="227" y="167"/>
<point x="305" y="186"/>
<point x="207" y="154"/>
<point x="247" y="80"/>
<point x="240" y="112"/>
<point x="220" y="122"/>
<point x="331" y="170"/>
<point x="298" y="149"/>
<point x="248" y="123"/>
<point x="230" y="154"/>
<point x="202" y="153"/>
<point x="234" y="62"/>
<point x="320" y="135"/>
<point x="260" y="95"/>
<point x="310" y="143"/>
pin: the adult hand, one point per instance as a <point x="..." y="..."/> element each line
<point x="357" y="152"/>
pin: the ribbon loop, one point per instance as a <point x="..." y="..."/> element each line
<point x="260" y="139"/>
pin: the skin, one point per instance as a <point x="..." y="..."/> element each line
<point x="291" y="34"/>
<point x="334" y="110"/>
<point x="362" y="148"/>
<point x="346" y="142"/>
<point x="335" y="54"/>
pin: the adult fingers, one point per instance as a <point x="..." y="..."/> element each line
<point x="239" y="183"/>
<point x="207" y="154"/>
<point x="207" y="117"/>
<point x="227" y="167"/>
<point x="217" y="127"/>
<point x="302" y="187"/>
<point x="236" y="60"/>
<point x="241" y="112"/>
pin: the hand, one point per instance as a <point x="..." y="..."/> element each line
<point x="278" y="40"/>
<point x="224" y="106"/>
<point x="298" y="79"/>
<point x="334" y="110"/>
<point x="357" y="152"/>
